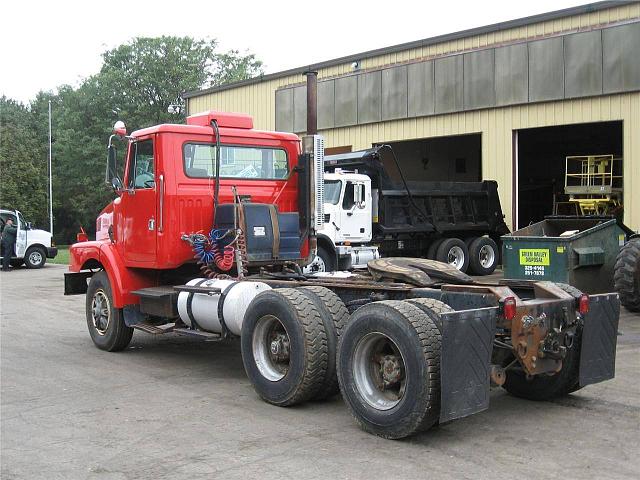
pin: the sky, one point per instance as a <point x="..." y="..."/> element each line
<point x="45" y="44"/>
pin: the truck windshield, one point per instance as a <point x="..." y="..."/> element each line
<point x="235" y="162"/>
<point x="332" y="190"/>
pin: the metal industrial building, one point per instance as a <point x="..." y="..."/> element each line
<point x="506" y="102"/>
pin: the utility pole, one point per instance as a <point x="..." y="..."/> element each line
<point x="50" y="178"/>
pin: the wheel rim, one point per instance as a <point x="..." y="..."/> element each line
<point x="317" y="265"/>
<point x="379" y="371"/>
<point x="487" y="256"/>
<point x="35" y="258"/>
<point x="100" y="312"/>
<point x="271" y="348"/>
<point x="455" y="257"/>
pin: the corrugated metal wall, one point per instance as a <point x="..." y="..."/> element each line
<point x="496" y="125"/>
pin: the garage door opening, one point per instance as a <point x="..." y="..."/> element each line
<point x="455" y="159"/>
<point x="541" y="165"/>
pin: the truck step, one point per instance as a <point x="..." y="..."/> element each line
<point x="158" y="301"/>
<point x="207" y="336"/>
<point x="155" y="329"/>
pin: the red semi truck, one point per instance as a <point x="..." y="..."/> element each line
<point x="211" y="225"/>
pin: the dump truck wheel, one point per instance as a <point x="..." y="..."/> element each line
<point x="389" y="368"/>
<point x="334" y="315"/>
<point x="433" y="248"/>
<point x="454" y="252"/>
<point x="626" y="275"/>
<point x="105" y="322"/>
<point x="483" y="256"/>
<point x="284" y="346"/>
<point x="431" y="307"/>
<point x="545" y="387"/>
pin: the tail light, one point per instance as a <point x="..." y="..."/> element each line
<point x="583" y="304"/>
<point x="509" y="308"/>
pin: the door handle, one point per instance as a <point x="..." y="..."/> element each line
<point x="152" y="224"/>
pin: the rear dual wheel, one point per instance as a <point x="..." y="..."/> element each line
<point x="389" y="368"/>
<point x="479" y="255"/>
<point x="289" y="342"/>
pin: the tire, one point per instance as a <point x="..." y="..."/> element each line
<point x="483" y="256"/>
<point x="323" y="262"/>
<point x="626" y="275"/>
<point x="431" y="307"/>
<point x="288" y="319"/>
<point x="433" y="248"/>
<point x="334" y="315"/>
<point x="410" y="338"/>
<point x="111" y="333"/>
<point x="35" y="257"/>
<point x="453" y="248"/>
<point x="545" y="387"/>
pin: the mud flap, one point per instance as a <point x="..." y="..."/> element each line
<point x="599" y="339"/>
<point x="465" y="362"/>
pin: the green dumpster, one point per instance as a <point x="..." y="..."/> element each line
<point x="580" y="251"/>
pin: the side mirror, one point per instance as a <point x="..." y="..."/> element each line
<point x="358" y="195"/>
<point x="28" y="225"/>
<point x="116" y="183"/>
<point x="112" y="165"/>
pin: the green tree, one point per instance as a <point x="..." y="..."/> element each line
<point x="145" y="76"/>
<point x="137" y="83"/>
<point x="23" y="163"/>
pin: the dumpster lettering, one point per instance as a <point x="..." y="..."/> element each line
<point x="534" y="270"/>
<point x="534" y="256"/>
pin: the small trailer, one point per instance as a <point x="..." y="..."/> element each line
<point x="368" y="214"/>
<point x="192" y="245"/>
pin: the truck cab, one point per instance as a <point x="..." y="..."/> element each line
<point x="33" y="246"/>
<point x="349" y="208"/>
<point x="168" y="192"/>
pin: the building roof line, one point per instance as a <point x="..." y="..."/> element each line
<point x="519" y="22"/>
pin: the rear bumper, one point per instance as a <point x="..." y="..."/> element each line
<point x="52" y="252"/>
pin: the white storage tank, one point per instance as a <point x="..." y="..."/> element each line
<point x="204" y="307"/>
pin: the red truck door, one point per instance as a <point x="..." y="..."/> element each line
<point x="138" y="205"/>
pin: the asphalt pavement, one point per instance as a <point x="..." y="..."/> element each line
<point x="171" y="407"/>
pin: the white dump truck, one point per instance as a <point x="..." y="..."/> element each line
<point x="368" y="213"/>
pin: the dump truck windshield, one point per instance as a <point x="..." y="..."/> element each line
<point x="332" y="190"/>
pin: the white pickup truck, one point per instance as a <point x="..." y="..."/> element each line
<point x="33" y="246"/>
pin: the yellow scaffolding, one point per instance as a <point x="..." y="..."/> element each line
<point x="592" y="184"/>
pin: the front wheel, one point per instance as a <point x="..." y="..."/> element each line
<point x="323" y="262"/>
<point x="35" y="257"/>
<point x="105" y="322"/>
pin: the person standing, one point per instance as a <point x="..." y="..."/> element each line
<point x="8" y="240"/>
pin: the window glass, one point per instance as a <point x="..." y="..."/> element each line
<point x="235" y="162"/>
<point x="143" y="165"/>
<point x="332" y="191"/>
<point x="347" y="201"/>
